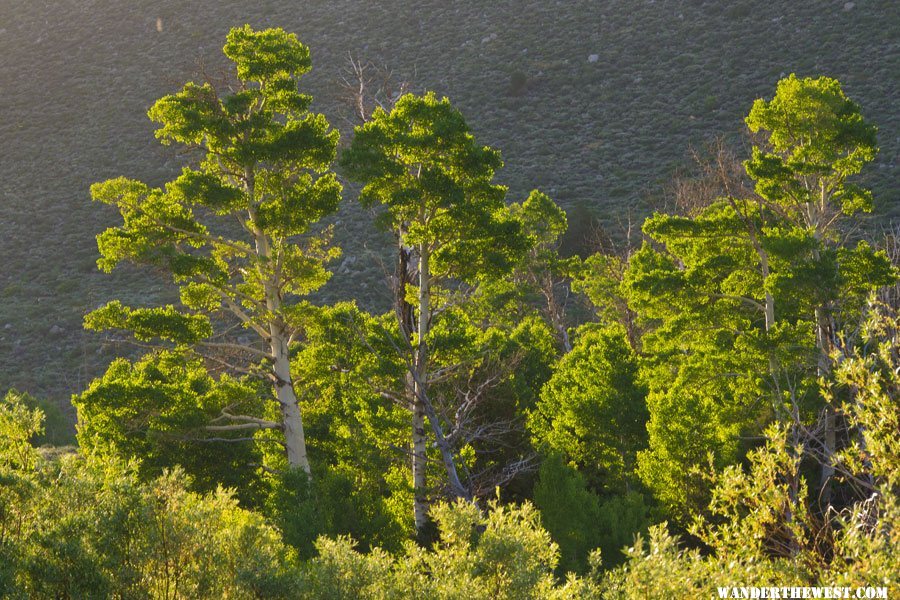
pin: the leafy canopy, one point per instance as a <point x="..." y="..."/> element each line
<point x="421" y="162"/>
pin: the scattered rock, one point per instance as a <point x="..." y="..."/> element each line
<point x="345" y="265"/>
<point x="489" y="38"/>
<point x="57" y="330"/>
<point x="7" y="326"/>
<point x="849" y="5"/>
<point x="593" y="58"/>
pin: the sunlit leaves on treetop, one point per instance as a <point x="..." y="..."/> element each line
<point x="818" y="138"/>
<point x="421" y="162"/>
<point x="150" y="211"/>
<point x="266" y="162"/>
<point x="262" y="55"/>
<point x="206" y="189"/>
<point x="541" y="217"/>
<point x="264" y="120"/>
<point x="812" y="122"/>
<point x="156" y="229"/>
<point x="238" y="131"/>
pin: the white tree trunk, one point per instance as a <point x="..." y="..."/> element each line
<point x="829" y="442"/>
<point x="422" y="401"/>
<point x="419" y="462"/>
<point x="292" y="421"/>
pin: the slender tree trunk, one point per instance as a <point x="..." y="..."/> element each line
<point x="406" y="320"/>
<point x="291" y="420"/>
<point x="824" y="340"/>
<point x="422" y="406"/>
<point x="419" y="389"/>
<point x="556" y="314"/>
<point x="829" y="441"/>
<point x="456" y="485"/>
<point x="824" y="333"/>
<point x="419" y="456"/>
<point x="763" y="266"/>
<point x="770" y="301"/>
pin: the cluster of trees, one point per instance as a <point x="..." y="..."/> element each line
<point x="727" y="390"/>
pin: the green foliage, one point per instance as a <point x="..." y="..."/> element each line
<point x="600" y="279"/>
<point x="266" y="162"/>
<point x="147" y="324"/>
<point x="422" y="164"/>
<point x="620" y="520"/>
<point x="761" y="534"/>
<point x="607" y="142"/>
<point x="711" y="367"/>
<point x="818" y="138"/>
<point x="569" y="512"/>
<point x="743" y="301"/>
<point x="495" y="370"/>
<point x="503" y="553"/>
<point x="659" y="566"/>
<point x="580" y="521"/>
<point x="541" y="278"/>
<point x="291" y="506"/>
<point x="362" y="488"/>
<point x="20" y="424"/>
<point x="339" y="571"/>
<point x="236" y="234"/>
<point x="739" y="306"/>
<point x="542" y="219"/>
<point x="156" y="410"/>
<point x="593" y="411"/>
<point x="58" y="428"/>
<point x="76" y="528"/>
<point x="759" y="514"/>
<point x="759" y="527"/>
<point x="871" y="372"/>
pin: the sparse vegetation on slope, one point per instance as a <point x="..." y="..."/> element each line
<point x="593" y="102"/>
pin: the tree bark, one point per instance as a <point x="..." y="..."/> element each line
<point x="829" y="441"/>
<point x="292" y="421"/>
<point x="422" y="404"/>
<point x="294" y="437"/>
<point x="419" y="463"/>
<point x="406" y="320"/>
<point x="419" y="389"/>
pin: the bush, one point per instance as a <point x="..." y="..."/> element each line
<point x="580" y="521"/>
<point x="86" y="528"/>
<point x="501" y="553"/>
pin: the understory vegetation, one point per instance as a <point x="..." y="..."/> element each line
<point x="711" y="401"/>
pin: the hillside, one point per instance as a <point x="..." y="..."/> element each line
<point x="603" y="133"/>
